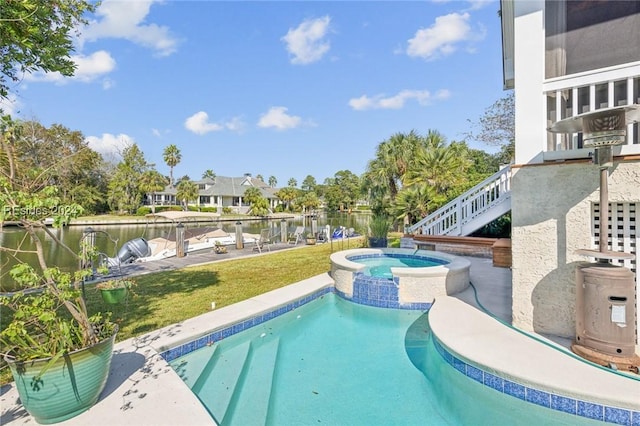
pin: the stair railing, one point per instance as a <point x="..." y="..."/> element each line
<point x="450" y="218"/>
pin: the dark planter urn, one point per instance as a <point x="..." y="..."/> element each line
<point x="377" y="242"/>
<point x="68" y="387"/>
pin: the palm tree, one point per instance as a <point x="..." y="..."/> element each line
<point x="292" y="183"/>
<point x="273" y="181"/>
<point x="186" y="191"/>
<point x="251" y="194"/>
<point x="151" y="182"/>
<point x="439" y="165"/>
<point x="259" y="206"/>
<point x="387" y="172"/>
<point x="412" y="203"/>
<point x="209" y="174"/>
<point x="287" y="195"/>
<point x="260" y="177"/>
<point x="171" y="156"/>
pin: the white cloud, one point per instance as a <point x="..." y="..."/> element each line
<point x="277" y="117"/>
<point x="306" y="42"/>
<point x="10" y="104"/>
<point x="125" y="20"/>
<point x="443" y="37"/>
<point x="110" y="144"/>
<point x="199" y="124"/>
<point x="88" y="69"/>
<point x="397" y="101"/>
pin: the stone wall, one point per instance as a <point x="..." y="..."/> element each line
<point x="551" y="219"/>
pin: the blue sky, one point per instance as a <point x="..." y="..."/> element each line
<point x="282" y="88"/>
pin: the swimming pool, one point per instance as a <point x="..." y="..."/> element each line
<point x="335" y="362"/>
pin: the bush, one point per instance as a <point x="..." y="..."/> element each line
<point x="143" y="211"/>
<point x="227" y="210"/>
<point x="209" y="209"/>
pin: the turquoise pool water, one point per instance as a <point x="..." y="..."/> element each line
<point x="338" y="363"/>
<point x="380" y="265"/>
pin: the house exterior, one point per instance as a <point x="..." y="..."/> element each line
<point x="220" y="192"/>
<point x="563" y="58"/>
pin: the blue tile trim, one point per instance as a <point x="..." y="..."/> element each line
<point x="379" y="292"/>
<point x="173" y="353"/>
<point x="565" y="404"/>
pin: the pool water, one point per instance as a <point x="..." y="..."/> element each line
<point x="380" y="265"/>
<point x="335" y="362"/>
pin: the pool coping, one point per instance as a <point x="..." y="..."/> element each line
<point x="508" y="361"/>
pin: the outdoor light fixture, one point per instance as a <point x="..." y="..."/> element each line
<point x="605" y="293"/>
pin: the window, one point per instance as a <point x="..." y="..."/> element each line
<point x="575" y="35"/>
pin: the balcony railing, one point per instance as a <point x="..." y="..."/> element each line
<point x="598" y="89"/>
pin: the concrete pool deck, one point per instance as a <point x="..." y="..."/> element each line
<point x="143" y="390"/>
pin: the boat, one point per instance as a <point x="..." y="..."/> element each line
<point x="196" y="238"/>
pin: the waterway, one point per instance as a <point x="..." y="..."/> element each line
<point x="109" y="238"/>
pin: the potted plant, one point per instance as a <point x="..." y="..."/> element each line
<point x="116" y="290"/>
<point x="58" y="353"/>
<point x="310" y="239"/>
<point x="378" y="229"/>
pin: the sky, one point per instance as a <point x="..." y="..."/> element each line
<point x="276" y="88"/>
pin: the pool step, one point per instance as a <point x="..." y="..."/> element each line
<point x="250" y="403"/>
<point x="219" y="378"/>
<point x="191" y="370"/>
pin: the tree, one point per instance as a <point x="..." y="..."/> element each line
<point x="151" y="182"/>
<point x="292" y="182"/>
<point x="74" y="168"/>
<point x="273" y="181"/>
<point x="412" y="203"/>
<point x="37" y="35"/>
<point x="287" y="195"/>
<point x="497" y="126"/>
<point x="125" y="194"/>
<point x="171" y="156"/>
<point x="209" y="174"/>
<point x="309" y="183"/>
<point x="341" y="191"/>
<point x="259" y="206"/>
<point x="260" y="177"/>
<point x="251" y="194"/>
<point x="186" y="191"/>
<point x="385" y="173"/>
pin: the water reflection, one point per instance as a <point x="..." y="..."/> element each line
<point x="109" y="239"/>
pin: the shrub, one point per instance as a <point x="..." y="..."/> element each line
<point x="143" y="211"/>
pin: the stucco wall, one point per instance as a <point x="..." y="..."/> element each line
<point x="551" y="219"/>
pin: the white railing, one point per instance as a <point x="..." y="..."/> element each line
<point x="483" y="203"/>
<point x="590" y="91"/>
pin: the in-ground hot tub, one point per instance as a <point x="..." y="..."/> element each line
<point x="396" y="277"/>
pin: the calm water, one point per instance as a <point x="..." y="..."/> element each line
<point x="333" y="362"/>
<point x="110" y="238"/>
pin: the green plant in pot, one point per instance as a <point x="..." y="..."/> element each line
<point x="310" y="239"/>
<point x="58" y="353"/>
<point x="378" y="230"/>
<point x="115" y="290"/>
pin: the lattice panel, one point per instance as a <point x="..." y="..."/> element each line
<point x="623" y="235"/>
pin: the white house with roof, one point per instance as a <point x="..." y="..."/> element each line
<point x="221" y="192"/>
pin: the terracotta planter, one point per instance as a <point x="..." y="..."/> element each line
<point x="71" y="385"/>
<point x="311" y="241"/>
<point x="114" y="295"/>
